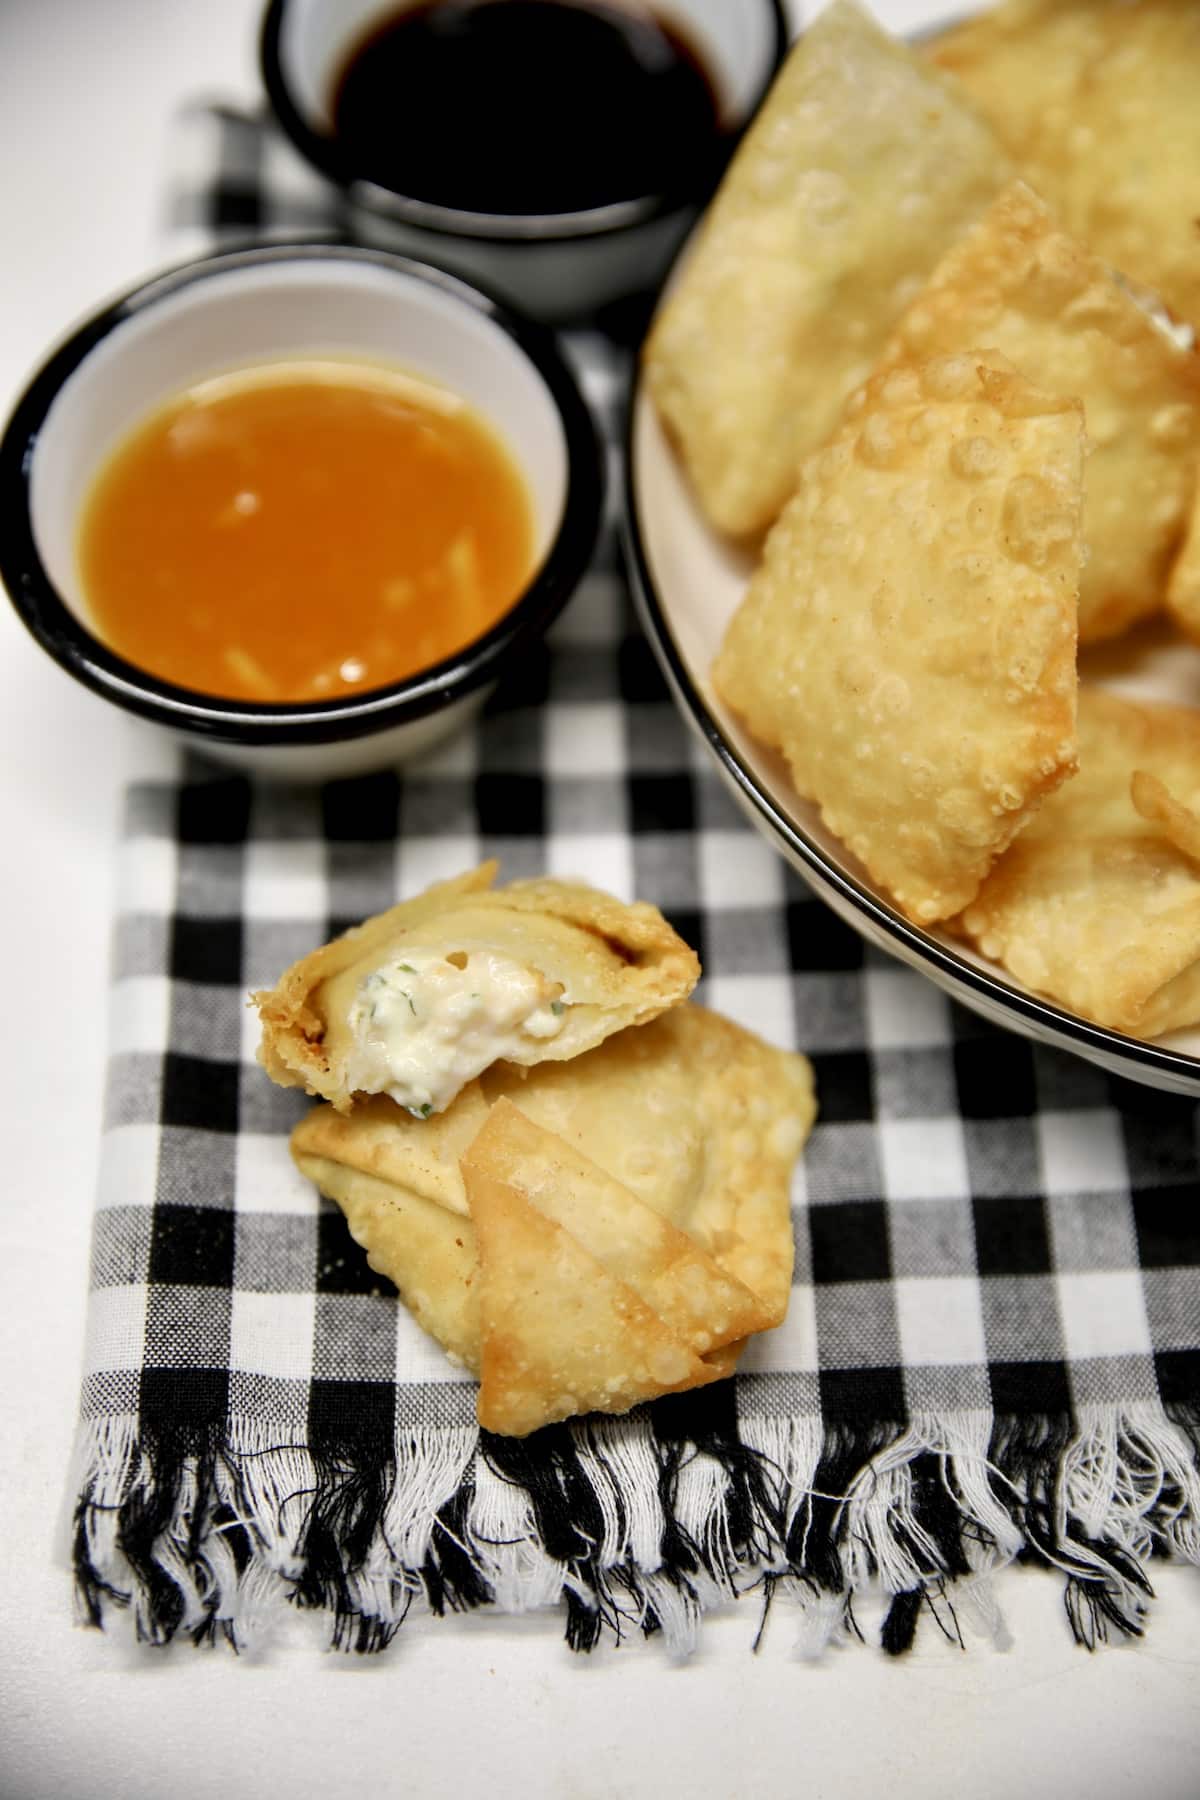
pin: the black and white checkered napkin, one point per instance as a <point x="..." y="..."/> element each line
<point x="993" y="1345"/>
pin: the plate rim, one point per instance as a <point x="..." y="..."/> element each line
<point x="1149" y="1063"/>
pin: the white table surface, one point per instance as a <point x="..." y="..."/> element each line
<point x="87" y="92"/>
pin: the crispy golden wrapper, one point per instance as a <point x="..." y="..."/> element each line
<point x="1183" y="589"/>
<point x="1097" y="102"/>
<point x="1017" y="282"/>
<point x="599" y="964"/>
<point x="909" y="641"/>
<point x="665" y="1267"/>
<point x="860" y="169"/>
<point x="559" y="1333"/>
<point x="1097" y="904"/>
<point x="429" y="1252"/>
<point x="699" y="1120"/>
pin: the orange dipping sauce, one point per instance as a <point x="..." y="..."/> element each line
<point x="303" y="531"/>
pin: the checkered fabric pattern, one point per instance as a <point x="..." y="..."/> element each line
<point x="997" y="1278"/>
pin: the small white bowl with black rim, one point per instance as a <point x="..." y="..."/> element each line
<point x="558" y="265"/>
<point x="238" y="310"/>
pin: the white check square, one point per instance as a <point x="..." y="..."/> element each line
<point x="285" y="880"/>
<point x="737" y="870"/>
<point x="115" y="1335"/>
<point x="146" y="876"/>
<point x="1082" y="1152"/>
<point x="272" y="1334"/>
<point x="128" y="1166"/>
<point x="940" y="1321"/>
<point x="139" y="1015"/>
<point x="418" y="1357"/>
<point x="585" y="740"/>
<point x="267" y="1180"/>
<point x="1103" y="1314"/>
<point x="420" y="861"/>
<point x="904" y="1012"/>
<point x="923" y="1159"/>
<point x="762" y="1003"/>
<point x="792" y="1346"/>
<point x="602" y="859"/>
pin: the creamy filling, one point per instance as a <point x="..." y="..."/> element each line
<point x="425" y="1023"/>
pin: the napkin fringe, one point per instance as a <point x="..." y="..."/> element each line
<point x="207" y="1535"/>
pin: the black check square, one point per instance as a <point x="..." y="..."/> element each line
<point x="1178" y="1373"/>
<point x="206" y="950"/>
<point x="851" y="1394"/>
<point x="1011" y="1236"/>
<point x="342" y="1266"/>
<point x="359" y="1415"/>
<point x="850" y="1241"/>
<point x="1168" y="1228"/>
<point x="662" y="803"/>
<point x="199" y="1093"/>
<point x="1030" y="1389"/>
<point x="995" y="1077"/>
<point x="510" y="805"/>
<point x="1161" y="1142"/>
<point x="234" y="208"/>
<point x="818" y="940"/>
<point x="639" y="675"/>
<point x="362" y="811"/>
<point x="214" y="812"/>
<point x="526" y="683"/>
<point x="192" y="1246"/>
<point x="846" y="1086"/>
<point x="179" y="1399"/>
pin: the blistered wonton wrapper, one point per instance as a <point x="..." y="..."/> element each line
<point x="1183" y="590"/>
<point x="859" y="171"/>
<point x="1017" y="282"/>
<point x="1097" y="904"/>
<point x="419" y="1000"/>
<point x="656" y="1166"/>
<point x="909" y="641"/>
<point x="1097" y="100"/>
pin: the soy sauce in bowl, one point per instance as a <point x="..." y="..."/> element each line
<point x="528" y="107"/>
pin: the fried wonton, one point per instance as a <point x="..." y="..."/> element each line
<point x="1183" y="589"/>
<point x="418" y="1001"/>
<point x="664" y="1155"/>
<point x="1018" y="283"/>
<point x="909" y="641"/>
<point x="1097" y="904"/>
<point x="859" y="171"/>
<point x="1097" y="100"/>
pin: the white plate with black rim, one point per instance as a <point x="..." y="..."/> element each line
<point x="687" y="582"/>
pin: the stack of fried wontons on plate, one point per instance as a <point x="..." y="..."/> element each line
<point x="937" y="334"/>
<point x="593" y="1207"/>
